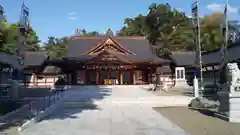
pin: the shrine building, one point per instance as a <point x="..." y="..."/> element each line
<point x="108" y="60"/>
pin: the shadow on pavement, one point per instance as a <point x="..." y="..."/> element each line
<point x="79" y="99"/>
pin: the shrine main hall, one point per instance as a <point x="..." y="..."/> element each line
<point x="108" y="60"/>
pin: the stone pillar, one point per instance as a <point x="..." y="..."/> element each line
<point x="195" y="87"/>
<point x="229" y="96"/>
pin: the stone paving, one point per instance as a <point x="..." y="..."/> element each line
<point x="106" y="116"/>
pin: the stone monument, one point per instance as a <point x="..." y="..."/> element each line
<point x="180" y="80"/>
<point x="229" y="95"/>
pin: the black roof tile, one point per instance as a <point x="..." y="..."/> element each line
<point x="138" y="45"/>
<point x="214" y="57"/>
<point x="34" y="58"/>
<point x="9" y="59"/>
<point x="184" y="58"/>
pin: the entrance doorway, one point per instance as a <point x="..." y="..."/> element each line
<point x="127" y="78"/>
<point x="109" y="77"/>
<point x="91" y="77"/>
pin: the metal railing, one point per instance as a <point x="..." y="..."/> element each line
<point x="36" y="105"/>
<point x="32" y="109"/>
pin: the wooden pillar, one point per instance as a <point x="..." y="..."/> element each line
<point x="121" y="76"/>
<point x="150" y="76"/>
<point x="97" y="76"/>
<point x="86" y="77"/>
<point x="73" y="77"/>
<point x="144" y="76"/>
<point x="133" y="77"/>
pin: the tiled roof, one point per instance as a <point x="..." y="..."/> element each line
<point x="163" y="70"/>
<point x="184" y="58"/>
<point x="9" y="59"/>
<point x="34" y="58"/>
<point x="138" y="45"/>
<point x="214" y="57"/>
<point x="208" y="58"/>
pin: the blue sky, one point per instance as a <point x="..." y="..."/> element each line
<point x="62" y="17"/>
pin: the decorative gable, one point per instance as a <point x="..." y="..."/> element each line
<point x="106" y="56"/>
<point x="111" y="46"/>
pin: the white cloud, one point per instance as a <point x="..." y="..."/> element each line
<point x="220" y="8"/>
<point x="72" y="13"/>
<point x="72" y="18"/>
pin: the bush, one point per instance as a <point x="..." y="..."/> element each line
<point x="60" y="82"/>
<point x="203" y="103"/>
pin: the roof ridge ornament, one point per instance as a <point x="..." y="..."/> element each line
<point x="109" y="44"/>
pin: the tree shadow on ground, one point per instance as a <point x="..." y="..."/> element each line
<point x="77" y="100"/>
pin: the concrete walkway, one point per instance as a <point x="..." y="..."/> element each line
<point x="117" y="110"/>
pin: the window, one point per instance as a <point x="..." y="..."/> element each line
<point x="182" y="74"/>
<point x="178" y="74"/>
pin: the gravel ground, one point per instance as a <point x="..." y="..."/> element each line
<point x="196" y="123"/>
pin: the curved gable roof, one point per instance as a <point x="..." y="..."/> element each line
<point x="137" y="45"/>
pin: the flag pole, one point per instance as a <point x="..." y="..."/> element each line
<point x="224" y="45"/>
<point x="197" y="33"/>
<point x="226" y="34"/>
<point x="200" y="51"/>
<point x="1" y="13"/>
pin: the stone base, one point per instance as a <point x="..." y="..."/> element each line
<point x="229" y="106"/>
<point x="182" y="84"/>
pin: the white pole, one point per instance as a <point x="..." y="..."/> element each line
<point x="226" y="34"/>
<point x="200" y="51"/>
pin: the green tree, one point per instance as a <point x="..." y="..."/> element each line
<point x="134" y="27"/>
<point x="109" y="32"/>
<point x="168" y="28"/>
<point x="83" y="32"/>
<point x="56" y="47"/>
<point x="32" y="41"/>
<point x="164" y="27"/>
<point x="3" y="34"/>
<point x="9" y="38"/>
<point x="211" y="31"/>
